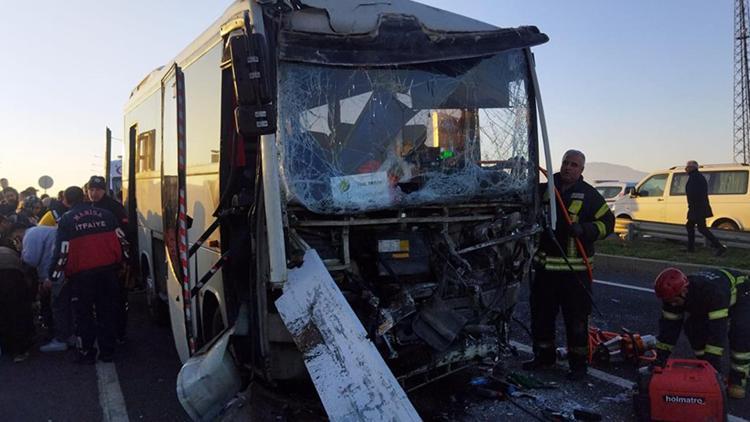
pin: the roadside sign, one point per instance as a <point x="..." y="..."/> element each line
<point x="46" y="182"/>
<point x="115" y="169"/>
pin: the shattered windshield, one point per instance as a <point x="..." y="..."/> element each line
<point x="364" y="139"/>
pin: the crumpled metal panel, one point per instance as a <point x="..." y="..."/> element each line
<point x="351" y="378"/>
<point x="361" y="16"/>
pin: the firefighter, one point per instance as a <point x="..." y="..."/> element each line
<point x="557" y="284"/>
<point x="89" y="250"/>
<point x="713" y="305"/>
<point x="96" y="189"/>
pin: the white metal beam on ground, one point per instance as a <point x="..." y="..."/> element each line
<point x="352" y="379"/>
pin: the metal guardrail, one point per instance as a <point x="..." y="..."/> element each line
<point x="632" y="229"/>
<point x="621" y="226"/>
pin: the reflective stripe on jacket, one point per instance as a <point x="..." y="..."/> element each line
<point x="589" y="209"/>
<point x="711" y="294"/>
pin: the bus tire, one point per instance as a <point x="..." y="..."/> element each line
<point x="158" y="311"/>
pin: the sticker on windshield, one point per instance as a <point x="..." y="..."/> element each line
<point x="361" y="190"/>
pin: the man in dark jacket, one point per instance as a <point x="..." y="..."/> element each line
<point x="699" y="208"/>
<point x="89" y="250"/>
<point x="565" y="284"/>
<point x="97" y="192"/>
<point x="10" y="202"/>
<point x="712" y="305"/>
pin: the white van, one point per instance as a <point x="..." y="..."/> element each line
<point x="612" y="190"/>
<point x="660" y="197"/>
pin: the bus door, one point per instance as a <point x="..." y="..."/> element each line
<point x="182" y="307"/>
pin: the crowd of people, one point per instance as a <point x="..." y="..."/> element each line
<point x="63" y="271"/>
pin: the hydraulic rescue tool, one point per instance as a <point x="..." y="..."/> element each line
<point x="605" y="346"/>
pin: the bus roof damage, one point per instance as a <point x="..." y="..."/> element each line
<point x="394" y="36"/>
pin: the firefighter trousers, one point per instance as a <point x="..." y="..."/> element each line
<point x="696" y="330"/>
<point x="96" y="291"/>
<point x="551" y="292"/>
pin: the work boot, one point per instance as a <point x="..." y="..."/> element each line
<point x="544" y="357"/>
<point x="577" y="373"/>
<point x="85" y="358"/>
<point x="578" y="364"/>
<point x="736" y="392"/>
<point x="540" y="361"/>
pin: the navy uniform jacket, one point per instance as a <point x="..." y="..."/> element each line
<point x="586" y="207"/>
<point x="116" y="208"/>
<point x="711" y="294"/>
<point x="88" y="239"/>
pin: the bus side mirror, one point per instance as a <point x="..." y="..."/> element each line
<point x="250" y="68"/>
<point x="255" y="113"/>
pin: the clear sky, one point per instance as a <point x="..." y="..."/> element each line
<point x="641" y="83"/>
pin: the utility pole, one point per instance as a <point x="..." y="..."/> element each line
<point x="108" y="158"/>
<point x="741" y="150"/>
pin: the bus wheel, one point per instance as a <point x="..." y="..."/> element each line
<point x="158" y="312"/>
<point x="212" y="320"/>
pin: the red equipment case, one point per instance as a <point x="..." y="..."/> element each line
<point x="684" y="390"/>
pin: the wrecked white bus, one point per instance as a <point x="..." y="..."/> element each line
<point x="324" y="184"/>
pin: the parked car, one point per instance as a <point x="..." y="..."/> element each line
<point x="612" y="190"/>
<point x="660" y="197"/>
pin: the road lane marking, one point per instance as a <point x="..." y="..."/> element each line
<point x="625" y="286"/>
<point x="110" y="395"/>
<point x="607" y="377"/>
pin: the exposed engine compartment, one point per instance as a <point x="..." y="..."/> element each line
<point x="434" y="293"/>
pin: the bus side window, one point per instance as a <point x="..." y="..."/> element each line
<point x="146" y="151"/>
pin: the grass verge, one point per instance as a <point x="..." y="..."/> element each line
<point x="672" y="250"/>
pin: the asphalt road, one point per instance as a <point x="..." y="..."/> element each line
<point x="49" y="387"/>
<point x="624" y="299"/>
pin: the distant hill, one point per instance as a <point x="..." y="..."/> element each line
<point x="607" y="171"/>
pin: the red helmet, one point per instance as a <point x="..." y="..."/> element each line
<point x="670" y="283"/>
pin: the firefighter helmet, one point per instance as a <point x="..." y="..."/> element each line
<point x="670" y="283"/>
